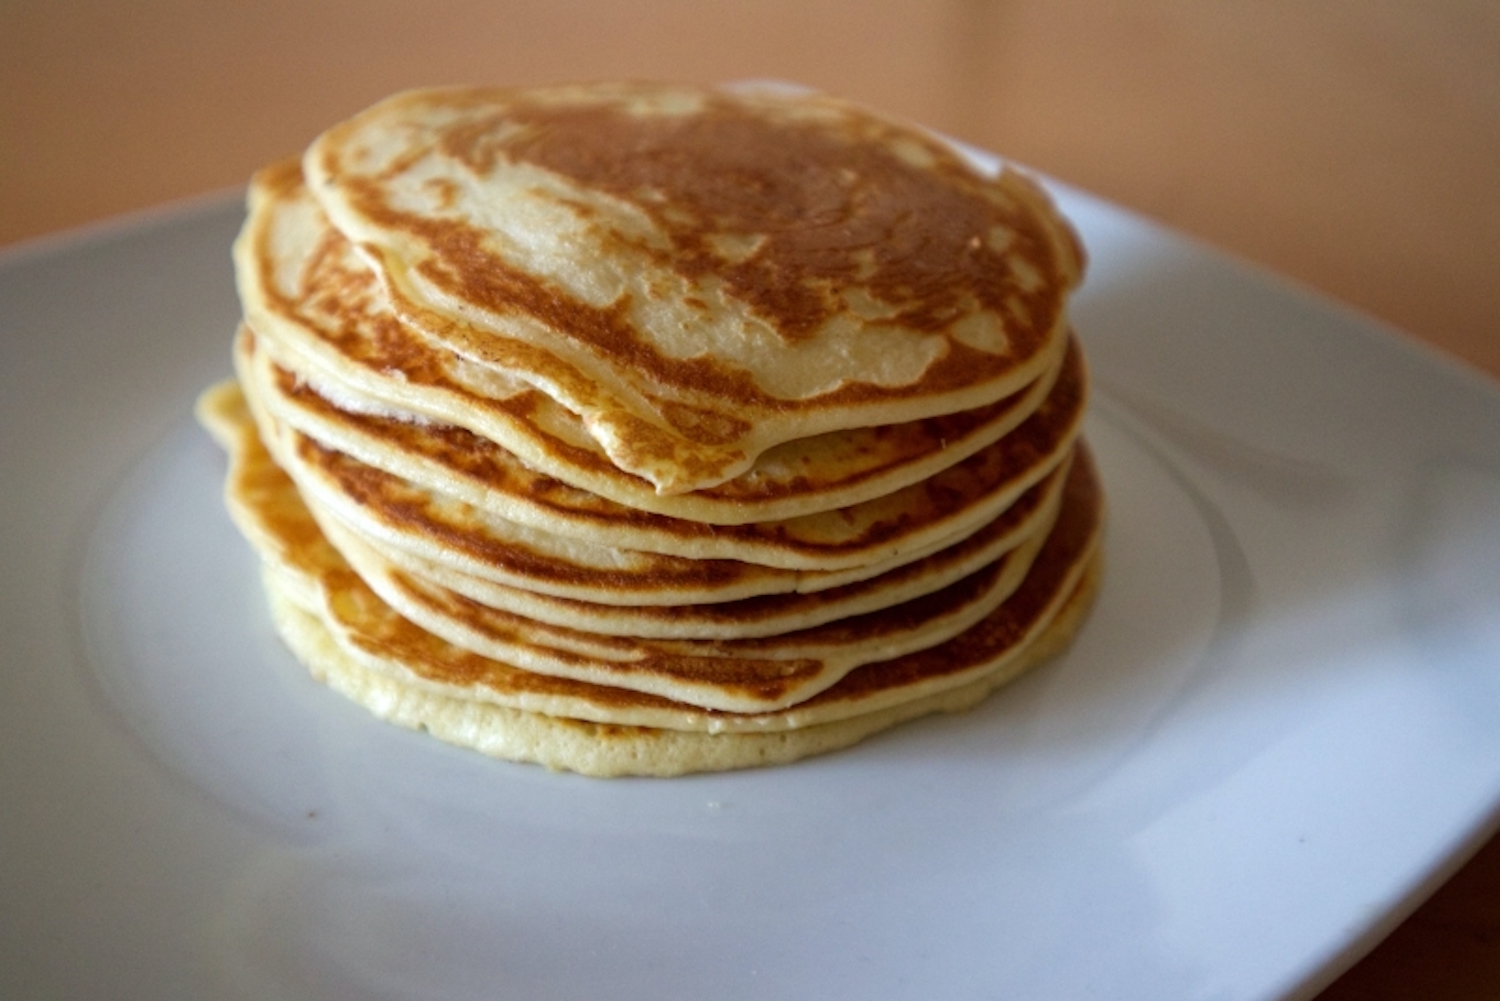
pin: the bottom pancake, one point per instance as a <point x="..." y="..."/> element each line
<point x="609" y="750"/>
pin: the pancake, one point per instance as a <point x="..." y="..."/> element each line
<point x="358" y="645"/>
<point x="898" y="526"/>
<point x="756" y="268"/>
<point x="738" y="675"/>
<point x="431" y="534"/>
<point x="701" y="610"/>
<point x="607" y="750"/>
<point x="307" y="290"/>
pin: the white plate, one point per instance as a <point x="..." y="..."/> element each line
<point x="1280" y="729"/>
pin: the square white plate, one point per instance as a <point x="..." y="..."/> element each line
<point x="1278" y="731"/>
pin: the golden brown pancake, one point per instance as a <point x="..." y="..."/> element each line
<point x="675" y="598"/>
<point x="308" y="291"/>
<point x="902" y="525"/>
<point x="699" y="273"/>
<point x="608" y="750"/>
<point x="516" y="566"/>
<point x="755" y="674"/>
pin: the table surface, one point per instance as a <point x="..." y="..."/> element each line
<point x="1353" y="145"/>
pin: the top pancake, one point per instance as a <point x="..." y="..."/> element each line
<point x="701" y="274"/>
<point x="305" y="288"/>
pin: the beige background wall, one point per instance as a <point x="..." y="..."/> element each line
<point x="1351" y="144"/>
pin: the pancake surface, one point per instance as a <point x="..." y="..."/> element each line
<point x="759" y="268"/>
<point x="646" y="429"/>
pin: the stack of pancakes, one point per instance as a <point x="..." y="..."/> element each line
<point x="647" y="429"/>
